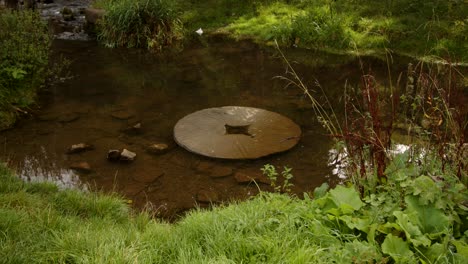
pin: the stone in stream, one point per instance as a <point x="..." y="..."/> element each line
<point x="213" y="170"/>
<point x="47" y="117"/>
<point x="134" y="129"/>
<point x="113" y="155"/>
<point x="68" y="117"/>
<point x="122" y="114"/>
<point x="244" y="178"/>
<point x="157" y="148"/>
<point x="67" y="14"/>
<point x="146" y="177"/>
<point x="80" y="147"/>
<point x="205" y="196"/>
<point x="81" y="166"/>
<point x="127" y="155"/>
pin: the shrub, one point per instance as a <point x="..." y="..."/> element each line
<point x="24" y="57"/>
<point x="151" y="24"/>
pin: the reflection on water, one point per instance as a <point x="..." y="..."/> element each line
<point x="33" y="169"/>
<point x="338" y="160"/>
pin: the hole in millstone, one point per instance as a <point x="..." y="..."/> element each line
<point x="234" y="130"/>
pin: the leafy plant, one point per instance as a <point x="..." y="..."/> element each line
<point x="286" y="176"/>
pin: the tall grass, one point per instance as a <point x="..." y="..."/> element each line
<point x="151" y="24"/>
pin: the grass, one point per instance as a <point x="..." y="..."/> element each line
<point x="151" y="24"/>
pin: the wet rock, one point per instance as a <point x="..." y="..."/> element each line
<point x="213" y="170"/>
<point x="127" y="155"/>
<point x="134" y="129"/>
<point x="81" y="166"/>
<point x="92" y="15"/>
<point x="244" y="178"/>
<point x="42" y="132"/>
<point x="80" y="147"/>
<point x="204" y="166"/>
<point x="47" y="117"/>
<point x="148" y="177"/>
<point x="220" y="171"/>
<point x="68" y="117"/>
<point x="207" y="196"/>
<point x="113" y="155"/>
<point x="158" y="148"/>
<point x="122" y="114"/>
<point x="67" y="14"/>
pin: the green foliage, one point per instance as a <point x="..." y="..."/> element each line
<point x="151" y="24"/>
<point x="24" y="58"/>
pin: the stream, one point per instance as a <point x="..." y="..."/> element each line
<point x="111" y="90"/>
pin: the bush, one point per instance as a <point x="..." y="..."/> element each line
<point x="24" y="57"/>
<point x="151" y="24"/>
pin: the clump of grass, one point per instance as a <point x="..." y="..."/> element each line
<point x="151" y="24"/>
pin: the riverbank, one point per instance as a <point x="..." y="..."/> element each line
<point x="423" y="221"/>
<point x="421" y="29"/>
<point x="427" y="30"/>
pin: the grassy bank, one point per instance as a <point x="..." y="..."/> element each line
<point x="24" y="59"/>
<point x="417" y="28"/>
<point x="415" y="219"/>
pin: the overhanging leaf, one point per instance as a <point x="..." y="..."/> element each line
<point x="412" y="231"/>
<point x="362" y="224"/>
<point x="346" y="198"/>
<point x="426" y="189"/>
<point x="435" y="252"/>
<point x="429" y="219"/>
<point x="396" y="248"/>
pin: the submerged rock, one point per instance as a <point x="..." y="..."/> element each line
<point x="244" y="178"/>
<point x="122" y="114"/>
<point x="68" y="117"/>
<point x="67" y="14"/>
<point x="207" y="196"/>
<point x="80" y="147"/>
<point x="47" y="117"/>
<point x="157" y="148"/>
<point x="125" y="155"/>
<point x="81" y="166"/>
<point x="148" y="177"/>
<point x="214" y="170"/>
<point x="113" y="155"/>
<point x="135" y="129"/>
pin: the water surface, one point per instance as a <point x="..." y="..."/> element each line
<point x="114" y="89"/>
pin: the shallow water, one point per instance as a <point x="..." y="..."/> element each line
<point x="156" y="91"/>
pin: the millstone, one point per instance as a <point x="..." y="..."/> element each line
<point x="235" y="132"/>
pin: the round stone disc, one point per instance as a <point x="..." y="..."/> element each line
<point x="235" y="132"/>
